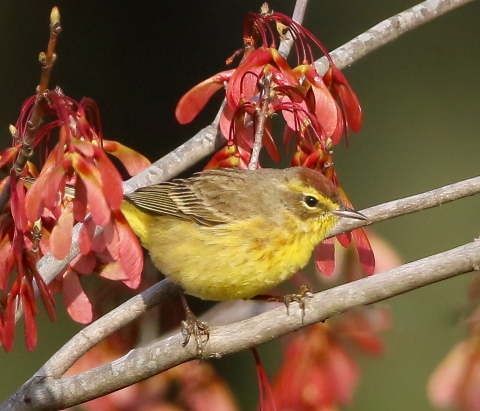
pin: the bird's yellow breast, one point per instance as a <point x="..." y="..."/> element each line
<point x="226" y="261"/>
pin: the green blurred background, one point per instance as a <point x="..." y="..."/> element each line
<point x="421" y="101"/>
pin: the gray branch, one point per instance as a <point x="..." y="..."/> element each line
<point x="412" y="204"/>
<point x="44" y="393"/>
<point x="387" y="31"/>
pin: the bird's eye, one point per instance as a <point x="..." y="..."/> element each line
<point x="310" y="201"/>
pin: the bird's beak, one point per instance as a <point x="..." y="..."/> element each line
<point x="349" y="213"/>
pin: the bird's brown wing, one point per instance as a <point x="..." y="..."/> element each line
<point x="176" y="199"/>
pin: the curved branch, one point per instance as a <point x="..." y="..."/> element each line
<point x="46" y="393"/>
<point x="87" y="338"/>
<point x="387" y="31"/>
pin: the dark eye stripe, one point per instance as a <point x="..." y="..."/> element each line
<point x="310" y="201"/>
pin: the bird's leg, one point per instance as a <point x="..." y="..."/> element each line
<point x="304" y="294"/>
<point x="191" y="326"/>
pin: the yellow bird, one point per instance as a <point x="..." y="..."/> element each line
<point x="229" y="234"/>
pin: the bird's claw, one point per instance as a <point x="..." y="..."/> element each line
<point x="300" y="298"/>
<point x="200" y="331"/>
<point x="191" y="326"/>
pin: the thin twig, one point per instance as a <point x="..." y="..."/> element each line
<point x="261" y="119"/>
<point x="132" y="308"/>
<point x="40" y="393"/>
<point x="47" y="60"/>
<point x="411" y="204"/>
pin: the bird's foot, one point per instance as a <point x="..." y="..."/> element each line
<point x="200" y="330"/>
<point x="304" y="294"/>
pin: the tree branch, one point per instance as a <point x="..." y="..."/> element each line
<point x="87" y="338"/>
<point x="41" y="393"/>
<point x="387" y="31"/>
<point x="412" y="204"/>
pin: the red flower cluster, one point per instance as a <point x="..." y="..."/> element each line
<point x="41" y="219"/>
<point x="454" y="384"/>
<point x="317" y="110"/>
<point x="318" y="372"/>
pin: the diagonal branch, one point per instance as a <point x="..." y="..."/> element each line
<point x="387" y="31"/>
<point x="87" y="338"/>
<point x="412" y="204"/>
<point x="41" y="393"/>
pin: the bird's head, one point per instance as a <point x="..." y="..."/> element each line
<point x="314" y="201"/>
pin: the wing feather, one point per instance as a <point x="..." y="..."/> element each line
<point x="176" y="199"/>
